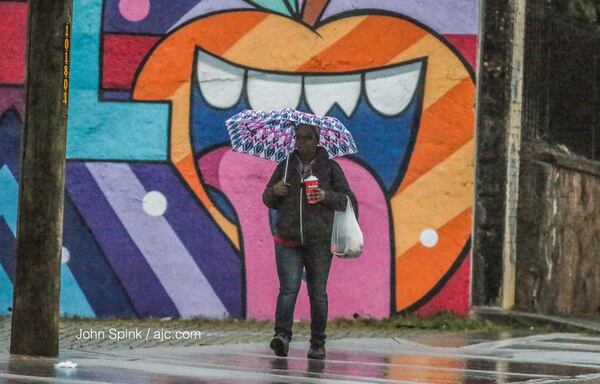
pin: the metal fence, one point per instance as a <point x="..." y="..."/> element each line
<point x="562" y="81"/>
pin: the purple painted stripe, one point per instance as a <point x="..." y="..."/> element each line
<point x="12" y="98"/>
<point x="116" y="95"/>
<point x="92" y="271"/>
<point x="445" y="17"/>
<point x="212" y="252"/>
<point x="167" y="256"/>
<point x="145" y="291"/>
<point x="208" y="6"/>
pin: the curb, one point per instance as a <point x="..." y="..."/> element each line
<point x="561" y="322"/>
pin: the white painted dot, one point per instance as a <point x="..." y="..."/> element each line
<point x="429" y="238"/>
<point x="65" y="255"/>
<point x="154" y="203"/>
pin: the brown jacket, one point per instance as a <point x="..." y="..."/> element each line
<point x="298" y="221"/>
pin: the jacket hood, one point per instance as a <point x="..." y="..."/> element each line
<point x="321" y="157"/>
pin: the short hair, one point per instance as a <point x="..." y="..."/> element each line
<point x="316" y="130"/>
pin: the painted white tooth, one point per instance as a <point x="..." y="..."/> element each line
<point x="391" y="90"/>
<point x="322" y="92"/>
<point x="220" y="83"/>
<point x="269" y="91"/>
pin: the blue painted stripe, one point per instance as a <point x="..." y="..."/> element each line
<point x="10" y="141"/>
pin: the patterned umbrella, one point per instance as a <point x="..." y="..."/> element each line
<point x="271" y="134"/>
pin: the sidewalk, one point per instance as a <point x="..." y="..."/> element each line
<point x="212" y="332"/>
<point x="238" y="353"/>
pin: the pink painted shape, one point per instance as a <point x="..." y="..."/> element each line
<point x="360" y="286"/>
<point x="209" y="164"/>
<point x="467" y="46"/>
<point x="134" y="10"/>
<point x="454" y="296"/>
<point x="355" y="286"/>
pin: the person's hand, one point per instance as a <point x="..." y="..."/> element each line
<point x="317" y="195"/>
<point x="281" y="189"/>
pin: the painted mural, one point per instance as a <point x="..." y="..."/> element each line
<point x="163" y="219"/>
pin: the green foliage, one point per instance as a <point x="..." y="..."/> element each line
<point x="584" y="9"/>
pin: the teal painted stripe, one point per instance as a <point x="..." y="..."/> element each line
<point x="292" y="4"/>
<point x="274" y="5"/>
<point x="6" y="292"/>
<point x="106" y="130"/>
<point x="72" y="299"/>
<point x="9" y="198"/>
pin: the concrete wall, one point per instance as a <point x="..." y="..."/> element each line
<point x="557" y="268"/>
<point x="162" y="219"/>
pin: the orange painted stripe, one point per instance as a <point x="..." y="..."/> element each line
<point x="282" y="44"/>
<point x="420" y="268"/>
<point x="371" y="44"/>
<point x="434" y="199"/>
<point x="445" y="127"/>
<point x="237" y="24"/>
<point x="170" y="65"/>
<point x="188" y="171"/>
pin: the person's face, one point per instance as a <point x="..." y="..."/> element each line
<point x="306" y="142"/>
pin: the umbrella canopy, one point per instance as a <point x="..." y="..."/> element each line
<point x="272" y="134"/>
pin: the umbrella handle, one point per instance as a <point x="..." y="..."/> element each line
<point x="287" y="160"/>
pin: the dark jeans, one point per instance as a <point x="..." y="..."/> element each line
<point x="316" y="259"/>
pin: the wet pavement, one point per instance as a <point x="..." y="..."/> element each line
<point x="506" y="357"/>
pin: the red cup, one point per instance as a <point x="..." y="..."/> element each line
<point x="311" y="184"/>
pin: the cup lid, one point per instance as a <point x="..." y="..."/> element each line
<point x="311" y="178"/>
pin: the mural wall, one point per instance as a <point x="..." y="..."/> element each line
<point x="163" y="219"/>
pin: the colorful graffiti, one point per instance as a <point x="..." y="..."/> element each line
<point x="163" y="219"/>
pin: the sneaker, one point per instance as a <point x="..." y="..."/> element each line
<point x="317" y="349"/>
<point x="280" y="345"/>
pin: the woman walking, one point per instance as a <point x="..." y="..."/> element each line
<point x="302" y="234"/>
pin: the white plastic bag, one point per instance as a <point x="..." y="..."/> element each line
<point x="346" y="236"/>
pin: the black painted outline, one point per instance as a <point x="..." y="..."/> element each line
<point x="12" y="86"/>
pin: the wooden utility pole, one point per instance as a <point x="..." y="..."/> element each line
<point x="35" y="320"/>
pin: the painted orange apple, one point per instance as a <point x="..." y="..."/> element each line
<point x="369" y="52"/>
